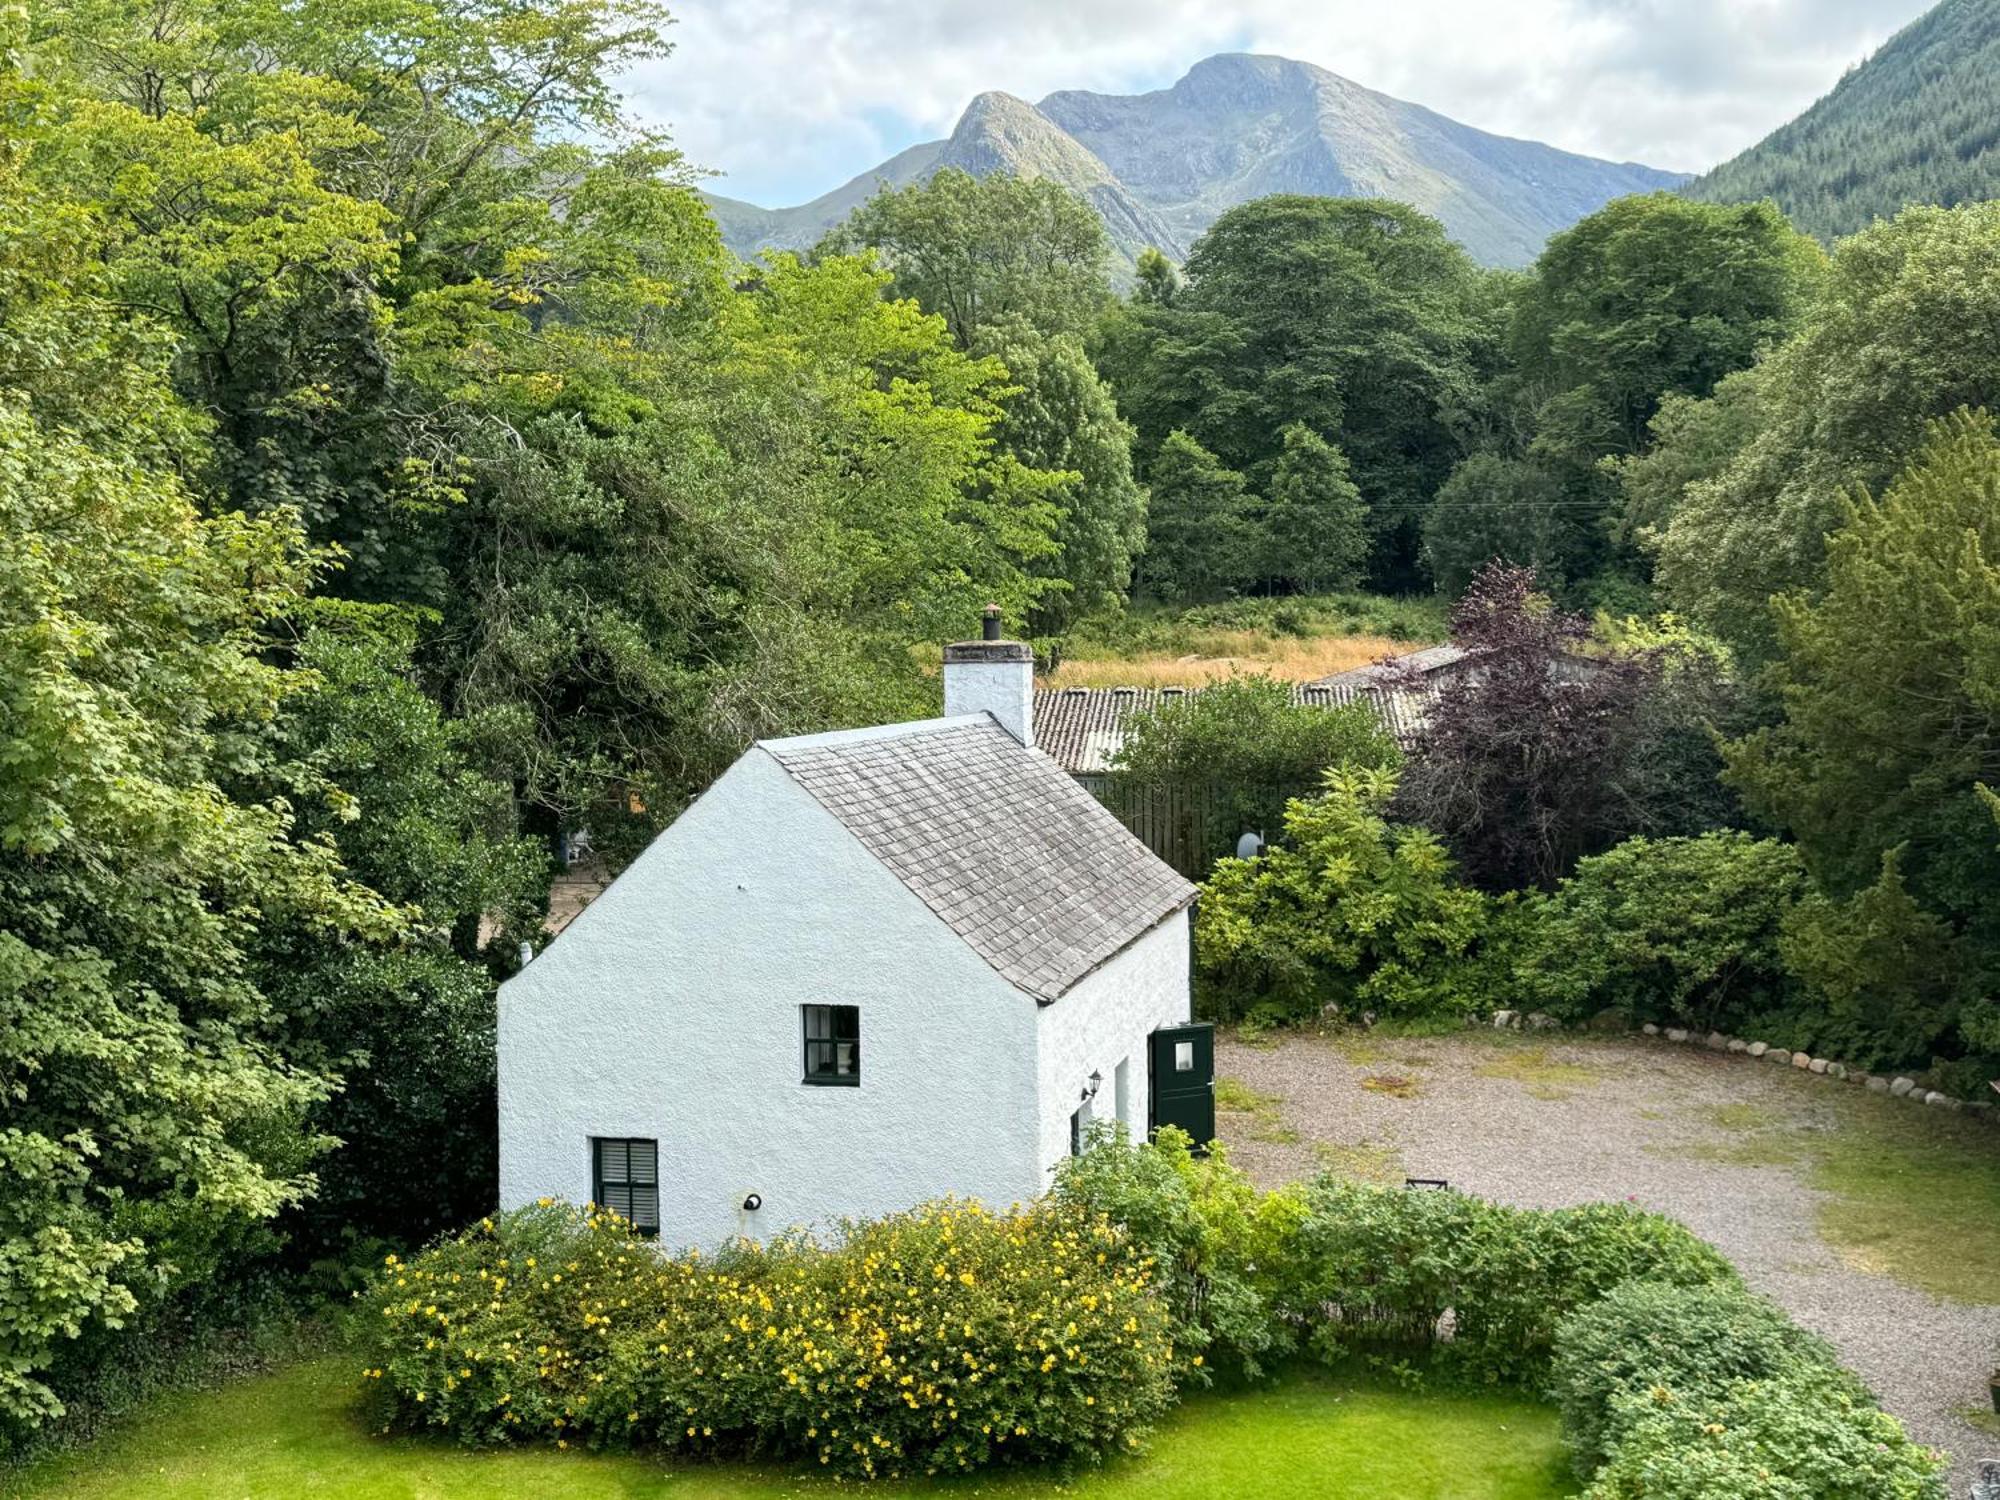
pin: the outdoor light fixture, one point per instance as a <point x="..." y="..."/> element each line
<point x="752" y="1203"/>
<point x="1090" y="1089"/>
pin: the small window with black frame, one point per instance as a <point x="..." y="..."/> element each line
<point x="833" y="1044"/>
<point x="625" y="1178"/>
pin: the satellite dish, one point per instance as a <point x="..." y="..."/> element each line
<point x="1250" y="846"/>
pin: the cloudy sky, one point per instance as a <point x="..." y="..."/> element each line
<point x="787" y="98"/>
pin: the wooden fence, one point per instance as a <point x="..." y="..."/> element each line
<point x="1190" y="825"/>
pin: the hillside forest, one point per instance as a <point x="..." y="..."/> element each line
<point x="400" y="480"/>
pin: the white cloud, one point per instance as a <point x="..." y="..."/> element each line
<point x="788" y="98"/>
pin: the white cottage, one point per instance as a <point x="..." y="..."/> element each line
<point x="864" y="969"/>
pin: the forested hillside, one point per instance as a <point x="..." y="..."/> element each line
<point x="1919" y="122"/>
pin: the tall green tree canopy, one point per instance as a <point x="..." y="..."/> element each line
<point x="1059" y="417"/>
<point x="1315" y="518"/>
<point x="149" y="1128"/>
<point x="1889" y="677"/>
<point x="1905" y="330"/>
<point x="975" y="250"/>
<point x="1650" y="299"/>
<point x="1355" y="317"/>
<point x="1204" y="536"/>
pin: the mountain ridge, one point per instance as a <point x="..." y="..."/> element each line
<point x="1161" y="166"/>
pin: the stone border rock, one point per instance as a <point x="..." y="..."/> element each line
<point x="1899" y="1087"/>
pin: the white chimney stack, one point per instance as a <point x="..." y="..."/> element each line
<point x="992" y="676"/>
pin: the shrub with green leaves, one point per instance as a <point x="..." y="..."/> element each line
<point x="1683" y="931"/>
<point x="1809" y="1435"/>
<point x="1648" y="1342"/>
<point x="1348" y="909"/>
<point x="942" y="1339"/>
<point x="1221" y="1248"/>
<point x="1377" y="1271"/>
<point x="1250" y="748"/>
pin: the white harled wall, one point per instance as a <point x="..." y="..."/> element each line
<point x="1103" y="1020"/>
<point x="1004" y="689"/>
<point x="670" y="1009"/>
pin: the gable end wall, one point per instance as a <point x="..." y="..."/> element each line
<point x="670" y="1009"/>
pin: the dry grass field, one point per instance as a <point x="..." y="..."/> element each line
<point x="1216" y="654"/>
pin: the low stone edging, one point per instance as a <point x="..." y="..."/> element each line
<point x="1899" y="1087"/>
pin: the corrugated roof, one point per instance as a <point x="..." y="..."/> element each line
<point x="1429" y="660"/>
<point x="1016" y="858"/>
<point x="1082" y="729"/>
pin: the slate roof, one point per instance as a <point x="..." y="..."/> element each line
<point x="1083" y="728"/>
<point x="1016" y="858"/>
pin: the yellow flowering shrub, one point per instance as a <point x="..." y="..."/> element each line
<point x="943" y="1339"/>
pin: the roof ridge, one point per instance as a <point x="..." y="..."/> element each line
<point x="909" y="728"/>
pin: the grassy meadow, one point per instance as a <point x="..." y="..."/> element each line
<point x="1294" y="639"/>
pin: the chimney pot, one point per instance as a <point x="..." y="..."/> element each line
<point x="989" y="624"/>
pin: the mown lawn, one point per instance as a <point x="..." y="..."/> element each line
<point x="293" y="1434"/>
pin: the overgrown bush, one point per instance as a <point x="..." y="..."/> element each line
<point x="1648" y="1342"/>
<point x="1222" y="1249"/>
<point x="1803" y="1436"/>
<point x="1347" y="910"/>
<point x="946" y="1338"/>
<point x="1250" y="747"/>
<point x="1682" y="931"/>
<point x="1378" y="1270"/>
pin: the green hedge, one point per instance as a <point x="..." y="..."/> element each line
<point x="946" y="1338"/>
<point x="1647" y="1344"/>
<point x="949" y="1338"/>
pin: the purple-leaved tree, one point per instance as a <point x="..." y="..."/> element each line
<point x="1527" y="756"/>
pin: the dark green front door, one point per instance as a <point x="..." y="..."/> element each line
<point x="1181" y="1075"/>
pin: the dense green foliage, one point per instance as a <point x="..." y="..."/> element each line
<point x="1347" y="910"/>
<point x="1681" y="931"/>
<point x="1711" y="1393"/>
<point x="1912" y="124"/>
<point x="940" y="1340"/>
<point x="949" y="1339"/>
<point x="1315" y="517"/>
<point x="1900" y="335"/>
<point x="981" y="250"/>
<point x="1250" y="747"/>
<point x="1354" y="319"/>
<point x="1672" y="1379"/>
<point x="1889" y="681"/>
<point x="1648" y="300"/>
<point x="1614" y="1357"/>
<point x="150" y="1126"/>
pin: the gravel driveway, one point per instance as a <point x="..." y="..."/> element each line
<point x="1598" y="1118"/>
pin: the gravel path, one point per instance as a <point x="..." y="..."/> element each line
<point x="1599" y="1118"/>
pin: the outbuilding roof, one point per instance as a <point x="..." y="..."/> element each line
<point x="1023" y="864"/>
<point x="1084" y="728"/>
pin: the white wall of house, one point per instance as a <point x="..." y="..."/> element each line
<point x="1102" y="1021"/>
<point x="670" y="1010"/>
